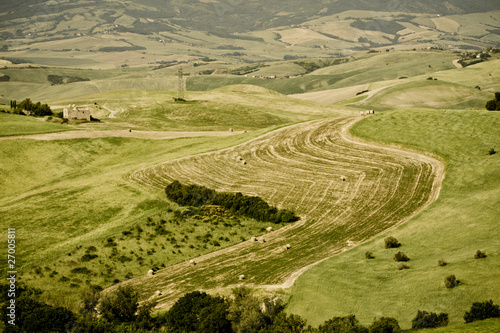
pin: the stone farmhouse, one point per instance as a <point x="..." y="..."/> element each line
<point x="76" y="112"/>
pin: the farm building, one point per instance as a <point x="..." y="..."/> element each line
<point x="76" y="112"/>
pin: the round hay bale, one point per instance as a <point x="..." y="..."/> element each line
<point x="151" y="272"/>
<point x="343" y="178"/>
<point x="254" y="239"/>
<point x="288" y="247"/>
<point x="192" y="262"/>
<point x="241" y="277"/>
<point x="262" y="240"/>
<point x="230" y="130"/>
<point x="243" y="162"/>
<point x="157" y="293"/>
<point x="239" y="158"/>
<point x="269" y="229"/>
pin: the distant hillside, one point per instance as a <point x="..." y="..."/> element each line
<point x="225" y="16"/>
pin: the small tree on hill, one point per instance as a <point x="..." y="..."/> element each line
<point x="494" y="104"/>
<point x="401" y="256"/>
<point x="391" y="242"/>
<point x="425" y="319"/>
<point x="347" y="324"/>
<point x="451" y="281"/>
<point x="385" y="325"/>
<point x="481" y="311"/>
<point x="120" y="306"/>
<point x="480" y="255"/>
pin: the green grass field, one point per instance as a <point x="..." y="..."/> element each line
<point x="13" y="124"/>
<point x="463" y="220"/>
<point x="65" y="196"/>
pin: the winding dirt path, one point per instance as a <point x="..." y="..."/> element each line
<point x="345" y="190"/>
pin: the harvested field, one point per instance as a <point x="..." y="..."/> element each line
<point x="301" y="168"/>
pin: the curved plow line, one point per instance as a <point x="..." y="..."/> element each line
<point x="335" y="216"/>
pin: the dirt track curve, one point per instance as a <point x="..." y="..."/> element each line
<point x="346" y="191"/>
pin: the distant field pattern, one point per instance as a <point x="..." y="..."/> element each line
<point x="346" y="191"/>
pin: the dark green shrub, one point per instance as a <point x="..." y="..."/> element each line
<point x="81" y="270"/>
<point x="385" y="325"/>
<point x="492" y="151"/>
<point x="120" y="306"/>
<point x="442" y="262"/>
<point x="425" y="319"/>
<point x="64" y="279"/>
<point x="481" y="311"/>
<point x="403" y="266"/>
<point x="391" y="242"/>
<point x="400" y="256"/>
<point x="347" y="324"/>
<point x="479" y="255"/>
<point x="369" y="255"/>
<point x="451" y="281"/>
<point x="88" y="257"/>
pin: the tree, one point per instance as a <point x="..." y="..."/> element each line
<point x="347" y="324"/>
<point x="425" y="319"/>
<point x="451" y="281"/>
<point x="385" y="325"/>
<point x="285" y="324"/>
<point x="120" y="305"/>
<point x="89" y="301"/>
<point x="245" y="311"/>
<point x="493" y="104"/>
<point x="185" y="314"/>
<point x="48" y="319"/>
<point x="214" y="319"/>
<point x="391" y="242"/>
<point x="401" y="256"/>
<point x="481" y="311"/>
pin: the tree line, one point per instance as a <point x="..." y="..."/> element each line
<point x="119" y="311"/>
<point x="236" y="203"/>
<point x="28" y="107"/>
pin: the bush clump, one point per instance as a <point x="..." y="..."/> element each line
<point x="401" y="256"/>
<point x="425" y="319"/>
<point x="403" y="266"/>
<point x="88" y="257"/>
<point x="481" y="311"/>
<point x="236" y="203"/>
<point x="479" y="255"/>
<point x="385" y="325"/>
<point x="451" y="281"/>
<point x="493" y="104"/>
<point x="369" y="255"/>
<point x="391" y="242"/>
<point x="442" y="262"/>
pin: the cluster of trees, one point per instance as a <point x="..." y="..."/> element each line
<point x="119" y="312"/>
<point x="236" y="203"/>
<point x="27" y="106"/>
<point x="115" y="312"/>
<point x="494" y="104"/>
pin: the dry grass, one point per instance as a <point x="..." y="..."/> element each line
<point x="299" y="168"/>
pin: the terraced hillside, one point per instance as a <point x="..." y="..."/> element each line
<point x="345" y="191"/>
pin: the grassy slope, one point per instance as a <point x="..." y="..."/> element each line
<point x="428" y="94"/>
<point x="64" y="196"/>
<point x="13" y="124"/>
<point x="463" y="220"/>
<point x="60" y="195"/>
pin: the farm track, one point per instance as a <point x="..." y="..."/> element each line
<point x="301" y="168"/>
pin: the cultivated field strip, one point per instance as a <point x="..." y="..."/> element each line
<point x="346" y="191"/>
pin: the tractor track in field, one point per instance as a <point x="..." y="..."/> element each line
<point x="300" y="167"/>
